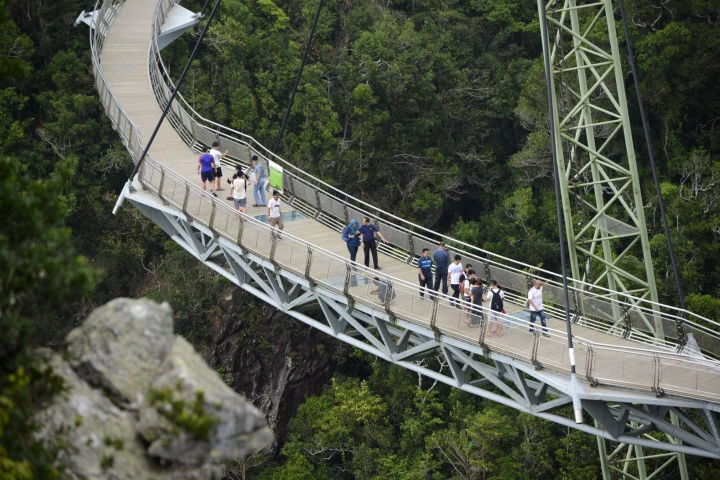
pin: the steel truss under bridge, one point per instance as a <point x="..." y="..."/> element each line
<point x="666" y="398"/>
<point x="303" y="294"/>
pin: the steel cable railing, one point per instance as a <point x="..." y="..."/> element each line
<point x="698" y="377"/>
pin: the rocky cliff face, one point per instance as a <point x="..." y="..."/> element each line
<point x="272" y="359"/>
<point x="141" y="404"/>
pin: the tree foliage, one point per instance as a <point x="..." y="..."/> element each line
<point x="434" y="110"/>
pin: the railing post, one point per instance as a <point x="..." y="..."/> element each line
<point x="657" y="376"/>
<point x="488" y="273"/>
<point x="576" y="297"/>
<point x="162" y="184"/>
<point x="291" y="187"/>
<point x="317" y="200"/>
<point x="308" y="264"/>
<point x="590" y="366"/>
<point x="484" y="323"/>
<point x="346" y="287"/>
<point x="273" y="247"/>
<point x="186" y="199"/>
<point x="626" y="321"/>
<point x="411" y="245"/>
<point x="347" y="215"/>
<point x="434" y="312"/>
<point x="241" y="226"/>
<point x="535" y="348"/>
<point x="388" y="298"/>
<point x="212" y="216"/>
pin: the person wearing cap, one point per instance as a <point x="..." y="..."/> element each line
<point x="275" y="213"/>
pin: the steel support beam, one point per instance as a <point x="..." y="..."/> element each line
<point x="474" y="368"/>
<point x="601" y="191"/>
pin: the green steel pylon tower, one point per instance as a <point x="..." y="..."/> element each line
<point x="600" y="188"/>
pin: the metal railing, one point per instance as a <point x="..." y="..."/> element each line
<point x="670" y="373"/>
<point x="626" y="367"/>
<point x="592" y="305"/>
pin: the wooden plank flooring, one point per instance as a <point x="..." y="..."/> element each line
<point x="124" y="64"/>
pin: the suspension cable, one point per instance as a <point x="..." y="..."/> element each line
<point x="558" y="199"/>
<point x="202" y="10"/>
<point x="631" y="58"/>
<point x="297" y="78"/>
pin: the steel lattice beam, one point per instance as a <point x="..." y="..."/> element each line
<point x="600" y="187"/>
<point x="620" y="416"/>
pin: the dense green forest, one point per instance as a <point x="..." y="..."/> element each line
<point x="434" y="110"/>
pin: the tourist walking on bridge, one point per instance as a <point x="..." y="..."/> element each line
<point x="206" y="165"/>
<point x="275" y="214"/>
<point x="260" y="182"/>
<point x="454" y="272"/>
<point x="536" y="307"/>
<point x="442" y="261"/>
<point x="425" y="276"/>
<point x="368" y="231"/>
<point x="351" y="236"/>
<point x="217" y="155"/>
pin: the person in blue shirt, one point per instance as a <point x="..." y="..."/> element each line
<point x="442" y="262"/>
<point x="206" y="165"/>
<point x="351" y="235"/>
<point x="425" y="276"/>
<point x="368" y="231"/>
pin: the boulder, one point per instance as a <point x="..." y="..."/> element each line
<point x="121" y="346"/>
<point x="140" y="403"/>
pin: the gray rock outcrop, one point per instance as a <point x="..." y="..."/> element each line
<point x="142" y="404"/>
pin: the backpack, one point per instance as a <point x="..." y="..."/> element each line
<point x="496" y="304"/>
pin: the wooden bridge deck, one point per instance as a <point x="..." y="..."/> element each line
<point x="125" y="67"/>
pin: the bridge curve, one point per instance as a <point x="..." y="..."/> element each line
<point x="631" y="383"/>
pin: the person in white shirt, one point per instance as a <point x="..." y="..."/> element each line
<point x="495" y="296"/>
<point x="239" y="193"/>
<point x="217" y="155"/>
<point x="536" y="307"/>
<point x="454" y="272"/>
<point x="275" y="213"/>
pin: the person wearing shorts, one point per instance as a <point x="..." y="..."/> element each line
<point x="206" y="165"/>
<point x="275" y="213"/>
<point x="217" y="155"/>
<point x="239" y="193"/>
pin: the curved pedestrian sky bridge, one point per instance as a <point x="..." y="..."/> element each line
<point x="631" y="383"/>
